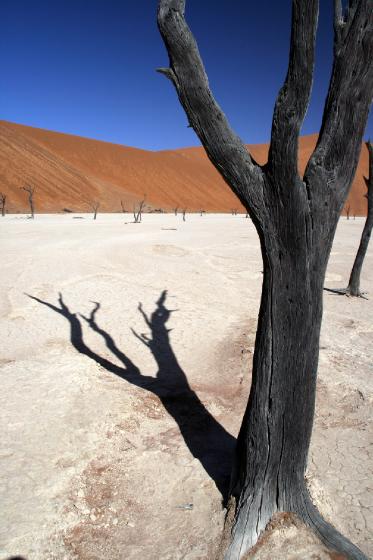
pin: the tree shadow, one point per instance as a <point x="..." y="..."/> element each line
<point x="206" y="439"/>
<point x="345" y="292"/>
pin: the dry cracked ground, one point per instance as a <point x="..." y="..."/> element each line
<point x="121" y="397"/>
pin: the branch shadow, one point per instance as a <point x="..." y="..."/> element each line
<point x="207" y="440"/>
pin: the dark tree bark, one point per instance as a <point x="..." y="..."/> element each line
<point x="353" y="287"/>
<point x="184" y="212"/>
<point x="3" y="202"/>
<point x="295" y="218"/>
<point x="30" y="190"/>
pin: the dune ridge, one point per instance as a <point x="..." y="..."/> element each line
<point x="70" y="172"/>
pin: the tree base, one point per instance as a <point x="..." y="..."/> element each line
<point x="305" y="511"/>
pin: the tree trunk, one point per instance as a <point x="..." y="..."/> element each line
<point x="279" y="415"/>
<point x="354" y="283"/>
<point x="273" y="443"/>
<point x="353" y="287"/>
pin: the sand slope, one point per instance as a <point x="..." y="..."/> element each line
<point x="71" y="172"/>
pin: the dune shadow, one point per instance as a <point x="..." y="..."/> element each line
<point x="207" y="440"/>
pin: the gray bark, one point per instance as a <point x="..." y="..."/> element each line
<point x="353" y="288"/>
<point x="295" y="218"/>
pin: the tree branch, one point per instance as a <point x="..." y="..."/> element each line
<point x="334" y="161"/>
<point x="339" y="23"/>
<point x="293" y="98"/>
<point x="369" y="180"/>
<point x="223" y="147"/>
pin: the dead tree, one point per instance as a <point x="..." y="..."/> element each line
<point x="123" y="207"/>
<point x="295" y="217"/>
<point x="353" y="288"/>
<point x="95" y="206"/>
<point x="2" y="202"/>
<point x="138" y="210"/>
<point x="175" y="210"/>
<point x="184" y="212"/>
<point x="30" y="190"/>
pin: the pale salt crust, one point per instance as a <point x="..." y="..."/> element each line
<point x="92" y="466"/>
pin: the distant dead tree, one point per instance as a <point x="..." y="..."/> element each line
<point x="30" y="190"/>
<point x="2" y="202"/>
<point x="123" y="207"/>
<point x="175" y="210"/>
<point x="138" y="210"/>
<point x="234" y="211"/>
<point x="184" y="212"/>
<point x="348" y="209"/>
<point x="95" y="206"/>
<point x="202" y="212"/>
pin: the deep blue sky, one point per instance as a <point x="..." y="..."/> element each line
<point x="87" y="67"/>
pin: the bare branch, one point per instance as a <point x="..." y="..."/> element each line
<point x="334" y="161"/>
<point x="168" y="73"/>
<point x="338" y="20"/>
<point x="369" y="179"/>
<point x="293" y="98"/>
<point x="338" y="17"/>
<point x="223" y="147"/>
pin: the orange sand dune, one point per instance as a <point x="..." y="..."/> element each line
<point x="70" y="172"/>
